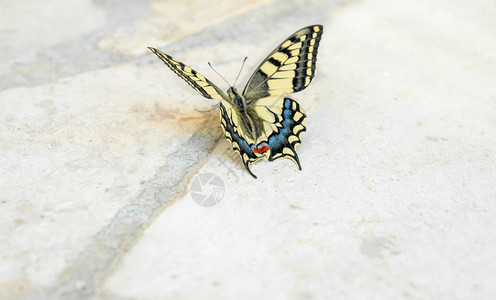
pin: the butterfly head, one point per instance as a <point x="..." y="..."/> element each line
<point x="236" y="97"/>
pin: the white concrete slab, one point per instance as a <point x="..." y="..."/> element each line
<point x="100" y="153"/>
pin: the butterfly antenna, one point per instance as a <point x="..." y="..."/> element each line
<point x="218" y="74"/>
<point x="240" y="71"/>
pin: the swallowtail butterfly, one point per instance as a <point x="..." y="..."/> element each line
<point x="263" y="121"/>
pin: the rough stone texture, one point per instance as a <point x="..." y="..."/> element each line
<point x="99" y="142"/>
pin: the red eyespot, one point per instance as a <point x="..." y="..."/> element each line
<point x="261" y="149"/>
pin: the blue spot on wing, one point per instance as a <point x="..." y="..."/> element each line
<point x="287" y="103"/>
<point x="279" y="140"/>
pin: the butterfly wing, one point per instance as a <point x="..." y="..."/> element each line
<point x="289" y="68"/>
<point x="283" y="123"/>
<point x="235" y="128"/>
<point x="196" y="80"/>
<point x="269" y="127"/>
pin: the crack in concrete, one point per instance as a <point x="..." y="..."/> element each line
<point x="80" y="280"/>
<point x="69" y="57"/>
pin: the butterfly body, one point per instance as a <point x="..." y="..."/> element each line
<point x="236" y="98"/>
<point x="263" y="121"/>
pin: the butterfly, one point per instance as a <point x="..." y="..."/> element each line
<point x="263" y="121"/>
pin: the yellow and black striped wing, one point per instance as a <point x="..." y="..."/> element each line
<point x="289" y="68"/>
<point x="196" y="80"/>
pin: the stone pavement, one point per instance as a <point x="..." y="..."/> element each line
<point x="115" y="186"/>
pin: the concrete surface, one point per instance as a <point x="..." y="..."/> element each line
<point x="100" y="144"/>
